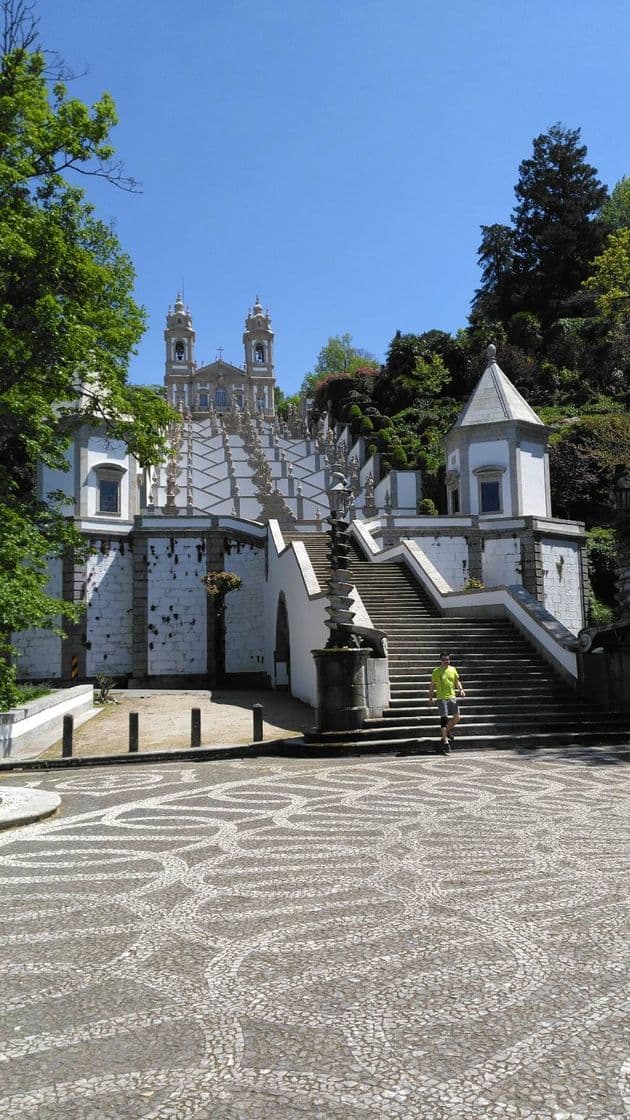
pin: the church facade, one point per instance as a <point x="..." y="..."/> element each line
<point x="220" y="386"/>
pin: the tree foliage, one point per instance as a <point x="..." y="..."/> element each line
<point x="610" y="278"/>
<point x="68" y="320"/>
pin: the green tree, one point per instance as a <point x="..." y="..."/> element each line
<point x="616" y="210"/>
<point x="557" y="230"/>
<point x="339" y="356"/>
<point x="68" y="320"/>
<point x="610" y="279"/>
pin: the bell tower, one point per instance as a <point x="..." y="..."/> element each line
<point x="258" y="343"/>
<point x="179" y="341"/>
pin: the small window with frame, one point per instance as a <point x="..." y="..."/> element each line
<point x="108" y="491"/>
<point x="490" y="489"/>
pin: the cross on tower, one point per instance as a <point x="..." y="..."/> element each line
<point x="220" y="353"/>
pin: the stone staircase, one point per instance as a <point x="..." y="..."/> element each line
<point x="513" y="697"/>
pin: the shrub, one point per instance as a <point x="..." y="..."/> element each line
<point x="473" y="584"/>
<point x="399" y="459"/>
<point x="427" y="508"/>
<point x="367" y="426"/>
<point x="599" y="614"/>
<point x="602" y="564"/>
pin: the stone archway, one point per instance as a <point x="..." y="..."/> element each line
<point x="282" y="651"/>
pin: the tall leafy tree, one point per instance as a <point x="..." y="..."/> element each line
<point x="68" y="320"/>
<point x="557" y="230"/>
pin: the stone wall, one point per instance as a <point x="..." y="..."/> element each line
<point x="562" y="581"/>
<point x="40" y="650"/>
<point x="244" y="614"/>
<point x="109" y="593"/>
<point x="177" y="605"/>
<point x="501" y="561"/>
<point x="449" y="554"/>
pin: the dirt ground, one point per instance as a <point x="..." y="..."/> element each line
<point x="164" y="720"/>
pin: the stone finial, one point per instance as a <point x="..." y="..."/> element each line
<point x="491" y="354"/>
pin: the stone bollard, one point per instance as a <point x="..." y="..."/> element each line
<point x="68" y="732"/>
<point x="134" y="734"/>
<point x="257" y="711"/>
<point x="195" y="727"/>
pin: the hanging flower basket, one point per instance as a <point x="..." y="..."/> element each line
<point x="219" y="584"/>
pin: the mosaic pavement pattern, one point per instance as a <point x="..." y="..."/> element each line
<point x="262" y="940"/>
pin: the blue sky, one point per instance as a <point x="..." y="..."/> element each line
<point x="336" y="157"/>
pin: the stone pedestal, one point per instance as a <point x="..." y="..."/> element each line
<point x="342" y="703"/>
<point x="605" y="677"/>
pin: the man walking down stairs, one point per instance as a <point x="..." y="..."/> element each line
<point x="444" y="680"/>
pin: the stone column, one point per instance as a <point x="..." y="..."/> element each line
<point x="73" y="647"/>
<point x="140" y="607"/>
<point x="215" y="562"/>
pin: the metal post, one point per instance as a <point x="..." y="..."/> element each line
<point x="134" y="735"/>
<point x="68" y="732"/>
<point x="258" y="722"/>
<point x="195" y="727"/>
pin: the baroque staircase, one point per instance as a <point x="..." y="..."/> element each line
<point x="514" y="699"/>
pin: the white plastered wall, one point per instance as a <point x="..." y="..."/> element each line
<point x="56" y="480"/>
<point x="531" y="460"/>
<point x="292" y="573"/>
<point x="176" y="607"/>
<point x="489" y="453"/>
<point x="562" y="582"/>
<point x="244" y="617"/>
<point x="501" y="561"/>
<point x="109" y="592"/>
<point x="101" y="451"/>
<point x="40" y="650"/>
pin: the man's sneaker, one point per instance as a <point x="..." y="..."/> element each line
<point x="451" y="740"/>
<point x="446" y="746"/>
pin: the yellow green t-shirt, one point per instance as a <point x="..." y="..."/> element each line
<point x="444" y="682"/>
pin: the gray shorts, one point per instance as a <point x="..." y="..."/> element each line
<point x="448" y="707"/>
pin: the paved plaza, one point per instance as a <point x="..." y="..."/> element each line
<point x="274" y="940"/>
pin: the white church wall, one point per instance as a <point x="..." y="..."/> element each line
<point x="244" y="619"/>
<point x="177" y="606"/>
<point x="501" y="561"/>
<point x="109" y="593"/>
<point x="40" y="650"/>
<point x="531" y="459"/>
<point x="489" y="453"/>
<point x="562" y="582"/>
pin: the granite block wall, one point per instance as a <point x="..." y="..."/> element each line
<point x="562" y="581"/>
<point x="40" y="650"/>
<point x="244" y="614"/>
<point x="177" y="604"/>
<point x="501" y="561"/>
<point x="109" y="593"/>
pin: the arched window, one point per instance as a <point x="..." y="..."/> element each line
<point x="220" y="398"/>
<point x="180" y="351"/>
<point x="203" y="402"/>
<point x="259" y="352"/>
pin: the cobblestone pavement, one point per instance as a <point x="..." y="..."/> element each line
<point x="261" y="940"/>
